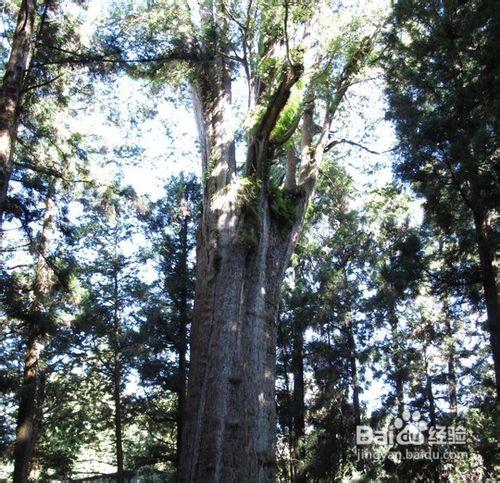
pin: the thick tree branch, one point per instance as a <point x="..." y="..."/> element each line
<point x="76" y="58"/>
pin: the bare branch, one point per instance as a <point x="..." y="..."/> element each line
<point x="332" y="144"/>
<point x="42" y="84"/>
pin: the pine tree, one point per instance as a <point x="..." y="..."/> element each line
<point x="446" y="119"/>
<point x="111" y="290"/>
<point x="171" y="231"/>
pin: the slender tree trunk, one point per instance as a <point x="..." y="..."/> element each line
<point x="23" y="450"/>
<point x="117" y="380"/>
<point x="10" y="94"/>
<point x="26" y="427"/>
<point x="288" y="403"/>
<point x="38" y="418"/>
<point x="430" y="397"/>
<point x="183" y="328"/>
<point x="398" y="377"/>
<point x="298" y="399"/>
<point x="118" y="418"/>
<point x="353" y="358"/>
<point x="489" y="274"/>
<point x="429" y="394"/>
<point x="450" y="361"/>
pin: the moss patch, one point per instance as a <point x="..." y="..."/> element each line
<point x="283" y="205"/>
<point x="248" y="202"/>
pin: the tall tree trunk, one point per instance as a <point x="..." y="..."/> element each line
<point x="398" y="377"/>
<point x="230" y="424"/>
<point x="489" y="274"/>
<point x="23" y="450"/>
<point x="183" y="328"/>
<point x="298" y="399"/>
<point x="450" y="360"/>
<point x="243" y="250"/>
<point x="429" y="394"/>
<point x="38" y="418"/>
<point x="353" y="365"/>
<point x="282" y="341"/>
<point x="10" y="94"/>
<point x="244" y="246"/>
<point x="25" y="433"/>
<point x="117" y="378"/>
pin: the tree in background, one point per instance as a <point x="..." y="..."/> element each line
<point x="446" y="117"/>
<point x="40" y="165"/>
<point x="112" y="290"/>
<point x="320" y="331"/>
<point x="397" y="264"/>
<point x="164" y="331"/>
<point x="35" y="75"/>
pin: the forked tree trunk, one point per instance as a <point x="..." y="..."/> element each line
<point x="242" y="254"/>
<point x="10" y="94"/>
<point x="244" y="246"/>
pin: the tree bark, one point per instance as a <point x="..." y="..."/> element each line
<point x="28" y="408"/>
<point x="282" y="341"/>
<point x="38" y="419"/>
<point x="429" y="393"/>
<point x="23" y="450"/>
<point x="243" y="250"/>
<point x="489" y="275"/>
<point x="10" y="94"/>
<point x="230" y="424"/>
<point x="229" y="429"/>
